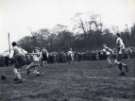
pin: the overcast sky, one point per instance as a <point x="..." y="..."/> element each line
<point x="20" y="16"/>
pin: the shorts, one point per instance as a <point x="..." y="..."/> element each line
<point x="119" y="57"/>
<point x="44" y="58"/>
<point x="19" y="61"/>
<point x="35" y="63"/>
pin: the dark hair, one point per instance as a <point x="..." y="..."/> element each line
<point x="118" y="34"/>
<point x="14" y="43"/>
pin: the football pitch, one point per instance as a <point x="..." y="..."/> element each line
<point x="78" y="81"/>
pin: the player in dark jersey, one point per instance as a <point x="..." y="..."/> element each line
<point x="18" y="56"/>
<point x="44" y="56"/>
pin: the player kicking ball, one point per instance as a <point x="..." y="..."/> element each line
<point x="109" y="52"/>
<point x="19" y="58"/>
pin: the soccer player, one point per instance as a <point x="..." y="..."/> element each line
<point x="70" y="55"/>
<point x="120" y="46"/>
<point x="18" y="55"/>
<point x="108" y="51"/>
<point x="44" y="56"/>
<point x="35" y="64"/>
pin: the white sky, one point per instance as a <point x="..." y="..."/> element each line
<point x="19" y="16"/>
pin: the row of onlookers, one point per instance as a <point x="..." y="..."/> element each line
<point x="62" y="57"/>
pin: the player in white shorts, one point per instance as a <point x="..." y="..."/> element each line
<point x="35" y="64"/>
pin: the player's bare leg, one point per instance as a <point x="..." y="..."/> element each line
<point x="18" y="76"/>
<point x="29" y="67"/>
<point x="122" y="67"/>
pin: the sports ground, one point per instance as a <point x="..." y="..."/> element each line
<point x="78" y="81"/>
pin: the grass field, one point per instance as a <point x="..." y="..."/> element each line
<point x="79" y="81"/>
